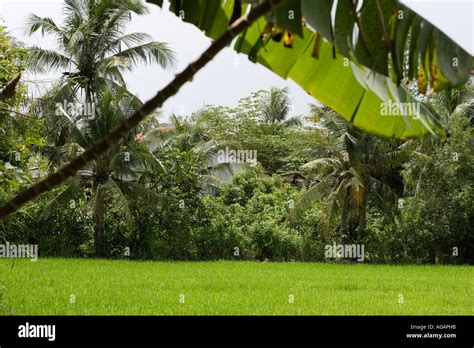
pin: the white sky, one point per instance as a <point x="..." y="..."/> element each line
<point x="230" y="76"/>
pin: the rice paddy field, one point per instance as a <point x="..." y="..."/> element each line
<point x="103" y="287"/>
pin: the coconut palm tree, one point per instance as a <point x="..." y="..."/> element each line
<point x="93" y="50"/>
<point x="276" y="107"/>
<point x="113" y="178"/>
<point x="353" y="169"/>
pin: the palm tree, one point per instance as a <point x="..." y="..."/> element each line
<point x="276" y="107"/>
<point x="93" y="51"/>
<point x="353" y="169"/>
<point x="114" y="177"/>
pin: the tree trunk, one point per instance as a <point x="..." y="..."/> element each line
<point x="98" y="234"/>
<point x="344" y="221"/>
<point x="100" y="176"/>
<point x="363" y="213"/>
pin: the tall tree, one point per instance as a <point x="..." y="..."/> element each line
<point x="93" y="50"/>
<point x="271" y="106"/>
<point x="113" y="178"/>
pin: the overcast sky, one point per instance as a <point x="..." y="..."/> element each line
<point x="230" y="76"/>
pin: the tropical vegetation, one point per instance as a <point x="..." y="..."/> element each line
<point x="254" y="181"/>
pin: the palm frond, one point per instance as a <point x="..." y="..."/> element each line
<point x="131" y="40"/>
<point x="66" y="198"/>
<point x="60" y="91"/>
<point x="155" y="138"/>
<point x="129" y="162"/>
<point x="466" y="109"/>
<point x="220" y="175"/>
<point x="76" y="40"/>
<point x="152" y="52"/>
<point x="293" y="122"/>
<point x="356" y="186"/>
<point x="384" y="196"/>
<point x="226" y="171"/>
<point x="321" y="165"/>
<point x="307" y="198"/>
<point x="60" y="154"/>
<point x="42" y="60"/>
<point x="113" y="195"/>
<point x="45" y="24"/>
<point x="138" y="191"/>
<point x="63" y="122"/>
<point x="76" y="8"/>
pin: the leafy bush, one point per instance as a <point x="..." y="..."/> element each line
<point x="440" y="215"/>
<point x="64" y="232"/>
<point x="247" y="220"/>
<point x="165" y="225"/>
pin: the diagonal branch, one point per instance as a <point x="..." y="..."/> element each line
<point x="104" y="144"/>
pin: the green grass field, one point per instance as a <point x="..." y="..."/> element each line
<point x="46" y="287"/>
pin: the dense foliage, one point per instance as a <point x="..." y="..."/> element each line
<point x="243" y="183"/>
<point x="429" y="218"/>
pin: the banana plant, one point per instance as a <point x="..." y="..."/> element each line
<point x="358" y="62"/>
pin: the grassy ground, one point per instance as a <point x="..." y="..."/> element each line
<point x="48" y="286"/>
